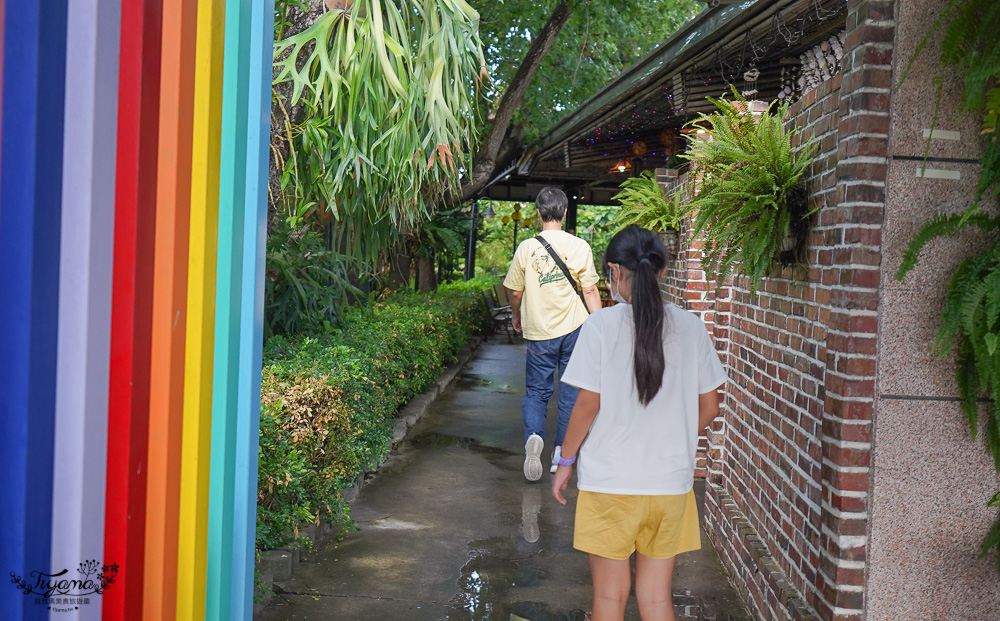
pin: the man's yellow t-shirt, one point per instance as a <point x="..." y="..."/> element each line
<point x="550" y="307"/>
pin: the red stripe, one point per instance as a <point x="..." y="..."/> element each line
<point x="135" y="202"/>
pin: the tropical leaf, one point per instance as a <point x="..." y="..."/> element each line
<point x="388" y="89"/>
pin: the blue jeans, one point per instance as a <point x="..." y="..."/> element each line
<point x="543" y="358"/>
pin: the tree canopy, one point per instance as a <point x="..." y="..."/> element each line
<point x="601" y="38"/>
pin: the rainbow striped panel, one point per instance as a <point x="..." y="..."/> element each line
<point x="133" y="172"/>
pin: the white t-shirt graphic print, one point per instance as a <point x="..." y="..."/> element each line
<point x="632" y="448"/>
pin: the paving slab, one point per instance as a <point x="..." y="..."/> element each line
<point x="449" y="528"/>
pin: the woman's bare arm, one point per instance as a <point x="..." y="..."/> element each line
<point x="708" y="409"/>
<point x="580" y="421"/>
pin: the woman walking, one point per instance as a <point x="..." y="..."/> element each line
<point x="648" y="376"/>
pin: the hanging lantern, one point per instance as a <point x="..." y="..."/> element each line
<point x="505" y="220"/>
<point x="669" y="137"/>
<point x="526" y="222"/>
<point x="639" y="148"/>
<point x="620" y="166"/>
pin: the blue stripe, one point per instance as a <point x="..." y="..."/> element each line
<point x="252" y="309"/>
<point x="232" y="193"/>
<point x="30" y="192"/>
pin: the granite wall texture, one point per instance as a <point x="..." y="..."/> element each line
<point x="930" y="481"/>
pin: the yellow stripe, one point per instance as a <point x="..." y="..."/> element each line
<point x="192" y="542"/>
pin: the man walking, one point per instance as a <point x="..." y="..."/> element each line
<point x="549" y="279"/>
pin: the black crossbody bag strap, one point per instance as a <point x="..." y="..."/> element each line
<point x="562" y="266"/>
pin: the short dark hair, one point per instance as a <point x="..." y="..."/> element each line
<point x="551" y="203"/>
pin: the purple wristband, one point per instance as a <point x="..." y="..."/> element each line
<point x="563" y="461"/>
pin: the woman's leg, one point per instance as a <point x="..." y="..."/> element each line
<point x="653" y="577"/>
<point x="612" y="584"/>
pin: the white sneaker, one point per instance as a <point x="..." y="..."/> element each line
<point x="556" y="455"/>
<point x="533" y="457"/>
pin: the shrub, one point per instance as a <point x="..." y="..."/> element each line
<point x="327" y="401"/>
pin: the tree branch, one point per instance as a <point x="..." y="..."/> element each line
<point x="484" y="162"/>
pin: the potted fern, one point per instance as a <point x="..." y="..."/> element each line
<point x="751" y="204"/>
<point x="643" y="202"/>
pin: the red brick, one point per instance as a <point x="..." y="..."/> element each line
<point x="847" y="457"/>
<point x="862" y="123"/>
<point x="848" y="432"/>
<point x="855" y="146"/>
<point x="847" y="482"/>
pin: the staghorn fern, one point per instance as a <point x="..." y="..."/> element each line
<point x="388" y="90"/>
<point x="746" y="171"/>
<point x="970" y="319"/>
<point x="644" y="203"/>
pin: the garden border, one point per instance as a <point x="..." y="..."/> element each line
<point x="280" y="563"/>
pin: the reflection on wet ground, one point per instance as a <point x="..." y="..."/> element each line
<point x="449" y="529"/>
<point x="433" y="438"/>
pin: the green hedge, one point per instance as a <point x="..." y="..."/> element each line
<point x="328" y="401"/>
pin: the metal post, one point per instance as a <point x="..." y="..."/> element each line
<point x="470" y="256"/>
<point x="515" y="239"/>
<point x="571" y="212"/>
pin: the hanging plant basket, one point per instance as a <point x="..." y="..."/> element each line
<point x="645" y="203"/>
<point x="752" y="207"/>
<point x="671" y="241"/>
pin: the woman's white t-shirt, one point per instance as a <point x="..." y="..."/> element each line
<point x="632" y="448"/>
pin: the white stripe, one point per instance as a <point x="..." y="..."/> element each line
<point x="85" y="269"/>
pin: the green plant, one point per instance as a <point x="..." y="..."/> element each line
<point x="306" y="286"/>
<point x="970" y="319"/>
<point x="389" y="117"/>
<point x="750" y="194"/>
<point x="328" y="400"/>
<point x="281" y="20"/>
<point x="643" y="202"/>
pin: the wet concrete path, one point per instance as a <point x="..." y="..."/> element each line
<point x="449" y="529"/>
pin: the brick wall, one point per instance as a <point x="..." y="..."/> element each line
<point x="686" y="285"/>
<point x="788" y="464"/>
<point x="770" y="480"/>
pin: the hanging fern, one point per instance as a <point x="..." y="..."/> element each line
<point x="644" y="203"/>
<point x="970" y="319"/>
<point x="746" y="171"/>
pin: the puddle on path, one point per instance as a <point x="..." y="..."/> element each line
<point x="493" y="569"/>
<point x="471" y="380"/>
<point x="429" y="439"/>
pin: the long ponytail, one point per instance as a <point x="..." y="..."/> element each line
<point x="642" y="253"/>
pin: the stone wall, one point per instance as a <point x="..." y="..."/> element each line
<point x="930" y="481"/>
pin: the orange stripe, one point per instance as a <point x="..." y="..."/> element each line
<point x="173" y="201"/>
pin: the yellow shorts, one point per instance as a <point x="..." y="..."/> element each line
<point x="614" y="526"/>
